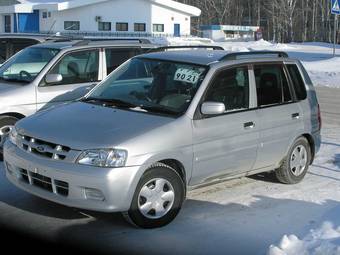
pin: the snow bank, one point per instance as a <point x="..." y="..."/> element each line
<point x="323" y="241"/>
<point x="324" y="72"/>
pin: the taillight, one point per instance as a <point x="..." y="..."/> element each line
<point x="319" y="117"/>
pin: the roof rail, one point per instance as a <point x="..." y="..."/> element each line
<point x="139" y="40"/>
<point x="235" y="55"/>
<point x="81" y="43"/>
<point x="164" y="48"/>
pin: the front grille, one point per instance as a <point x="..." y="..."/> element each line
<point x="43" y="148"/>
<point x="44" y="182"/>
<point x="41" y="181"/>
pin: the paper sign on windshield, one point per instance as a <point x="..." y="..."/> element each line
<point x="187" y="75"/>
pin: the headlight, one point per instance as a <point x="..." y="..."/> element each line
<point x="13" y="135"/>
<point x="103" y="158"/>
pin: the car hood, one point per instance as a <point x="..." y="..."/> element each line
<point x="82" y="125"/>
<point x="6" y="86"/>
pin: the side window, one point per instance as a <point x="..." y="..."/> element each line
<point x="271" y="85"/>
<point x="78" y="67"/>
<point x="231" y="87"/>
<point x="299" y="85"/>
<point x="116" y="57"/>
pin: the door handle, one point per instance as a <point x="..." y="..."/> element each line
<point x="296" y="116"/>
<point x="249" y="125"/>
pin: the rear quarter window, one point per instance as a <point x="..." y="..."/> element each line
<point x="298" y="83"/>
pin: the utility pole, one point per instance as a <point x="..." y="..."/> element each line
<point x="335" y="33"/>
<point x="335" y="9"/>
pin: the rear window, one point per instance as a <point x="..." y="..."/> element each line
<point x="299" y="86"/>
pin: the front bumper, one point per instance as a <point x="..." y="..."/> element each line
<point x="117" y="185"/>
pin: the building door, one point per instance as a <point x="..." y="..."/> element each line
<point x="177" y="30"/>
<point x="8" y="23"/>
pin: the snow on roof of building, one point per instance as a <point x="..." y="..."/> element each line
<point x="60" y="5"/>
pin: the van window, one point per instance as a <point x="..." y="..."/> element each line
<point x="271" y="85"/>
<point x="231" y="87"/>
<point x="78" y="67"/>
<point x="299" y="85"/>
<point x="116" y="57"/>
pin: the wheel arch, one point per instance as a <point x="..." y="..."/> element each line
<point x="177" y="166"/>
<point x="311" y="142"/>
<point x="13" y="114"/>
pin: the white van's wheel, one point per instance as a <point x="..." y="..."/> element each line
<point x="158" y="198"/>
<point x="296" y="163"/>
<point x="6" y="124"/>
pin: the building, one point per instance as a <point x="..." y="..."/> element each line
<point x="120" y="16"/>
<point x="230" y="32"/>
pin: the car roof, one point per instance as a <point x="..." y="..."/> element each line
<point x="75" y="44"/>
<point x="208" y="57"/>
<point x="199" y="56"/>
<point x="37" y="37"/>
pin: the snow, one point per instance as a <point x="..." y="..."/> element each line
<point x="323" y="241"/>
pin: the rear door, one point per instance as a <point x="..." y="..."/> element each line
<point x="80" y="71"/>
<point x="226" y="144"/>
<point x="114" y="57"/>
<point x="280" y="116"/>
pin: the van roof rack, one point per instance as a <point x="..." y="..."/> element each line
<point x="254" y="54"/>
<point x="164" y="48"/>
<point x="138" y="40"/>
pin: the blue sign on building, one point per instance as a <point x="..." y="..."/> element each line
<point x="336" y="7"/>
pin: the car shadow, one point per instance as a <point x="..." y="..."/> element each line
<point x="202" y="227"/>
<point x="265" y="177"/>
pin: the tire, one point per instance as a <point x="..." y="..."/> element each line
<point x="5" y="121"/>
<point x="171" y="183"/>
<point x="293" y="173"/>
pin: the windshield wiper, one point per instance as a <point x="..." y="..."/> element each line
<point x="159" y="109"/>
<point x="14" y="80"/>
<point x="112" y="101"/>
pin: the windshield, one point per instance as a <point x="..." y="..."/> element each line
<point x="26" y="65"/>
<point x="151" y="86"/>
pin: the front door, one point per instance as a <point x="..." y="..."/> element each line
<point x="177" y="30"/>
<point x="80" y="73"/>
<point x="226" y="145"/>
<point x="8" y="24"/>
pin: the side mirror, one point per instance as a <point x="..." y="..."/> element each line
<point x="212" y="108"/>
<point x="53" y="78"/>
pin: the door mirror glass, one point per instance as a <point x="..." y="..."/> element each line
<point x="212" y="108"/>
<point x="53" y="78"/>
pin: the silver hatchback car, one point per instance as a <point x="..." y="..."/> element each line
<point x="164" y="123"/>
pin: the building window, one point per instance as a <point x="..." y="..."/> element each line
<point x="158" y="27"/>
<point x="104" y="26"/>
<point x="140" y="27"/>
<point x="49" y="14"/>
<point x="72" y="25"/>
<point x="120" y="26"/>
<point x="44" y="15"/>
